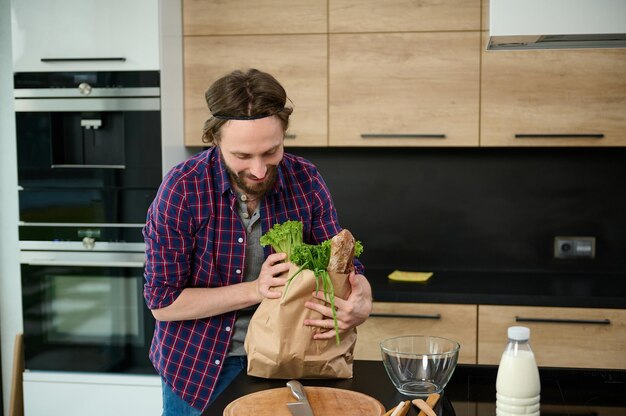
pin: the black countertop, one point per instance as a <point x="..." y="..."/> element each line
<point x="582" y="290"/>
<point x="471" y="390"/>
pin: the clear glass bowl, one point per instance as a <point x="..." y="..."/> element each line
<point x="419" y="365"/>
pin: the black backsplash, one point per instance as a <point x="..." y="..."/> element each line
<point x="487" y="209"/>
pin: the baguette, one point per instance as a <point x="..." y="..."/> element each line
<point x="342" y="253"/>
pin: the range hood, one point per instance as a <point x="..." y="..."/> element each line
<point x="556" y="24"/>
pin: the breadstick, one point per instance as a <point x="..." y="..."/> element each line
<point x="406" y="406"/>
<point x="400" y="410"/>
<point x="427" y="406"/>
<point x="425" y="409"/>
<point x="393" y="409"/>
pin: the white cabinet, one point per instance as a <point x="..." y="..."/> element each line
<point x="85" y="35"/>
<point x="79" y="394"/>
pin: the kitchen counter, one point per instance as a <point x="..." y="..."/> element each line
<point x="471" y="390"/>
<point x="581" y="290"/>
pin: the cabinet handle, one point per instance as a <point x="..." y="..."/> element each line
<point x="401" y="136"/>
<point x="290" y="136"/>
<point x="564" y="321"/>
<point x="559" y="136"/>
<point x="81" y="59"/>
<point x="410" y="316"/>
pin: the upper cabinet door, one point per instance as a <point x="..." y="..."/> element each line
<point x="297" y="61"/>
<point x="250" y="17"/>
<point x="574" y="97"/>
<point x="85" y="35"/>
<point x="404" y="89"/>
<point x="349" y="16"/>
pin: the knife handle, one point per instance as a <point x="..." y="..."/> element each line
<point x="297" y="390"/>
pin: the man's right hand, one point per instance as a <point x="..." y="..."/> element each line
<point x="267" y="282"/>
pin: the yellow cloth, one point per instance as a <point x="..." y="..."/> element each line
<point x="402" y="276"/>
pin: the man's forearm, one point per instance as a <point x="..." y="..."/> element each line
<point x="200" y="302"/>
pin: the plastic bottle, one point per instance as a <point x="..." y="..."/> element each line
<point x="517" y="385"/>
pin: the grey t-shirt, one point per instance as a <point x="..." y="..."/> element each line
<point x="254" y="260"/>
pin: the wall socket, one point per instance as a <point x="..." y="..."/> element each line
<point x="574" y="247"/>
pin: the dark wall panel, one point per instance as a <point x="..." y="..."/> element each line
<point x="478" y="209"/>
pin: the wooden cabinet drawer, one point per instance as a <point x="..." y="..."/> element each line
<point x="297" y="61"/>
<point x="560" y="337"/>
<point x="390" y="319"/>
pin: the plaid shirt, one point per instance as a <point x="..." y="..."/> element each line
<point x="195" y="238"/>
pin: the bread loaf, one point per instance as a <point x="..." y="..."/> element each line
<point x="342" y="253"/>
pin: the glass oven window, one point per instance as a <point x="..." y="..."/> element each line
<point x="92" y="309"/>
<point x="86" y="318"/>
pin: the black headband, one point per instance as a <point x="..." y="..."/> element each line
<point x="225" y="117"/>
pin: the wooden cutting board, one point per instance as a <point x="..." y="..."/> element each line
<point x="324" y="401"/>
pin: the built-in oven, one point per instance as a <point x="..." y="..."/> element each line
<point x="89" y="165"/>
<point x="83" y="310"/>
<point x="88" y="146"/>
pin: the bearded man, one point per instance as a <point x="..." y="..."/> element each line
<point x="205" y="269"/>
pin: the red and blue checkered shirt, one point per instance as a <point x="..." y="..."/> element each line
<point x="195" y="238"/>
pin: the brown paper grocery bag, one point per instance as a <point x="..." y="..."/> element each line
<point x="280" y="346"/>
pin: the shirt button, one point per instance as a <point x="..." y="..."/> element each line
<point x="245" y="215"/>
<point x="244" y="198"/>
<point x="240" y="239"/>
<point x="227" y="329"/>
<point x="217" y="362"/>
<point x="238" y="271"/>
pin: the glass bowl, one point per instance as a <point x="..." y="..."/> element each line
<point x="419" y="365"/>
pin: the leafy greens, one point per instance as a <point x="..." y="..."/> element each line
<point x="287" y="238"/>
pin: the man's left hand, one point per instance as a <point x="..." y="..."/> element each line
<point x="351" y="312"/>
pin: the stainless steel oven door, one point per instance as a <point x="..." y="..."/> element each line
<point x="84" y="311"/>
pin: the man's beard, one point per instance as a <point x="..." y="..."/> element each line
<point x="255" y="189"/>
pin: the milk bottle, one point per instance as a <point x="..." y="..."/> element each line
<point x="517" y="383"/>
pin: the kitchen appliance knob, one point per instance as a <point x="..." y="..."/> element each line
<point x="84" y="88"/>
<point x="89" y="243"/>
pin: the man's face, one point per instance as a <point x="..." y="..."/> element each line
<point x="251" y="151"/>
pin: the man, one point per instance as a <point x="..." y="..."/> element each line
<point x="205" y="268"/>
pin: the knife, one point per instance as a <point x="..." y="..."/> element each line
<point x="302" y="406"/>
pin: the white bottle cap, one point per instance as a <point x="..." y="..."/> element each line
<point x="519" y="333"/>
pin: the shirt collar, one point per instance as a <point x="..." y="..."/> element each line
<point x="221" y="175"/>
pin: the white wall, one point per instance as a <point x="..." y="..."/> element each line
<point x="173" y="152"/>
<point x="10" y="290"/>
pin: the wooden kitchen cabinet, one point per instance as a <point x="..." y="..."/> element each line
<point x="559" y="337"/>
<point x="253" y="17"/>
<point x="390" y="319"/>
<point x="570" y="97"/>
<point x="404" y="89"/>
<point x="351" y="16"/>
<point x="400" y="73"/>
<point x="297" y="61"/>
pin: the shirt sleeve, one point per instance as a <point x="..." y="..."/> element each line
<point x="168" y="235"/>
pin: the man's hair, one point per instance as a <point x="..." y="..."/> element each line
<point x="244" y="96"/>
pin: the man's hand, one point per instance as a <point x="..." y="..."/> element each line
<point x="267" y="282"/>
<point x="351" y="312"/>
